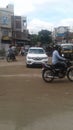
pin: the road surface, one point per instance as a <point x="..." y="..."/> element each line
<point x="28" y="103"/>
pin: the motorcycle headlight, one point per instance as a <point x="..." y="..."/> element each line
<point x="62" y="55"/>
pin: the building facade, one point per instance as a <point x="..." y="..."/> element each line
<point x="13" y="29"/>
<point x="60" y="34"/>
<point x="19" y="30"/>
<point x="5" y="24"/>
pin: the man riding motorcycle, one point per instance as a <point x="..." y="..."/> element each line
<point x="11" y="53"/>
<point x="59" y="68"/>
<point x="57" y="59"/>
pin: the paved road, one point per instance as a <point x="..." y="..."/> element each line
<point x="28" y="103"/>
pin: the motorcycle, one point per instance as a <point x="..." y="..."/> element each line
<point x="10" y="57"/>
<point x="50" y="72"/>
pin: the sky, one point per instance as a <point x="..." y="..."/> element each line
<point x="43" y="14"/>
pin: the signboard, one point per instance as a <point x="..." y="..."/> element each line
<point x="61" y="34"/>
<point x="5" y="19"/>
<point x="5" y="38"/>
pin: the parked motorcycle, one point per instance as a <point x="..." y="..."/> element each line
<point x="10" y="57"/>
<point x="50" y="72"/>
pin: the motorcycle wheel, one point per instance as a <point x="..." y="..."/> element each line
<point x="8" y="59"/>
<point x="70" y="74"/>
<point x="47" y="75"/>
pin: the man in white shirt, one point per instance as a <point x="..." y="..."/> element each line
<point x="58" y="60"/>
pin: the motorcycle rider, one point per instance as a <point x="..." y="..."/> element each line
<point x="57" y="60"/>
<point x="11" y="52"/>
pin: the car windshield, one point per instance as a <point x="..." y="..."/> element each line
<point x="36" y="51"/>
<point x="67" y="48"/>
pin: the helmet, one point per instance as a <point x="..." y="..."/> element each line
<point x="57" y="47"/>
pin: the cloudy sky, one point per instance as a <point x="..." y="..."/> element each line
<point x="43" y="14"/>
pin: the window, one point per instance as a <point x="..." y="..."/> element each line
<point x="67" y="47"/>
<point x="4" y="32"/>
<point x="36" y="51"/>
<point x="18" y="24"/>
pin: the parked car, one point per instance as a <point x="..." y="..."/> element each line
<point x="36" y="56"/>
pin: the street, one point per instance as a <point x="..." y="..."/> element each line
<point x="28" y="103"/>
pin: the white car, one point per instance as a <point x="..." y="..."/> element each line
<point x="36" y="56"/>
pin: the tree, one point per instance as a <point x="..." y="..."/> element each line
<point x="44" y="36"/>
<point x="34" y="39"/>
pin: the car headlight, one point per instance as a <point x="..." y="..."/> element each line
<point x="29" y="57"/>
<point x="45" y="58"/>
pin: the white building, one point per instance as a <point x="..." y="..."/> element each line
<point x="60" y="32"/>
<point x="5" y="24"/>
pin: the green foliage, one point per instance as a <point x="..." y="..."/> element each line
<point x="34" y="39"/>
<point x="44" y="37"/>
